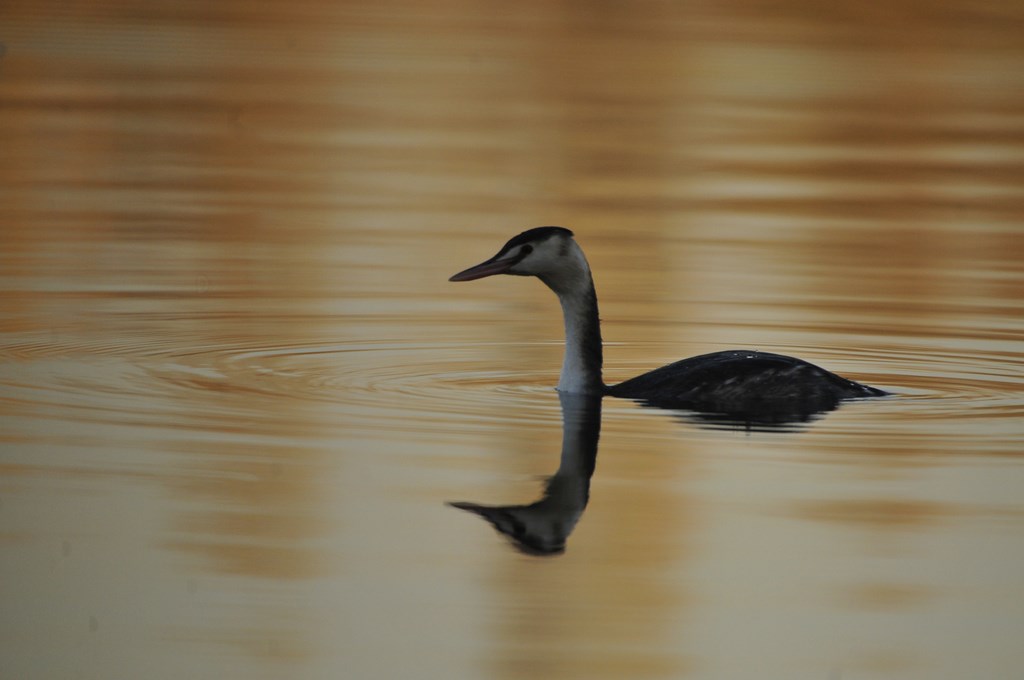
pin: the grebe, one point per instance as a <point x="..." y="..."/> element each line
<point x="744" y="383"/>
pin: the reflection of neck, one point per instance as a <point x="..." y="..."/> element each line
<point x="581" y="430"/>
<point x="581" y="367"/>
<point x="543" y="527"/>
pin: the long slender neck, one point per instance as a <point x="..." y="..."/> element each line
<point x="581" y="367"/>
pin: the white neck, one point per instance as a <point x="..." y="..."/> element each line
<point x="581" y="366"/>
<point x="579" y="372"/>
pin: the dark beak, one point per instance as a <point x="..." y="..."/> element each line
<point x="489" y="268"/>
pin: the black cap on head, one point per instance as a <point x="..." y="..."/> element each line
<point x="535" y="234"/>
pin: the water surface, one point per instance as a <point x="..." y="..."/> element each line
<point x="238" y="390"/>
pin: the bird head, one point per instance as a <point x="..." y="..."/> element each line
<point x="549" y="253"/>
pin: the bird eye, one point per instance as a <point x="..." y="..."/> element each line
<point x="526" y="250"/>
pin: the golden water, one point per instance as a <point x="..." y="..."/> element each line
<point x="237" y="388"/>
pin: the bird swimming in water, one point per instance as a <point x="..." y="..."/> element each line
<point x="742" y="384"/>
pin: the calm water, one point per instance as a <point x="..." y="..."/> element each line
<point x="238" y="390"/>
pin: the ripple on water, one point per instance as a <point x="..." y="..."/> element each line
<point x="429" y="385"/>
<point x="954" y="384"/>
<point x="455" y="386"/>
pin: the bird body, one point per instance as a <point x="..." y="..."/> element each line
<point x="738" y="382"/>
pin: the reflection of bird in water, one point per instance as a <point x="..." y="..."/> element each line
<point x="744" y="385"/>
<point x="542" y="528"/>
